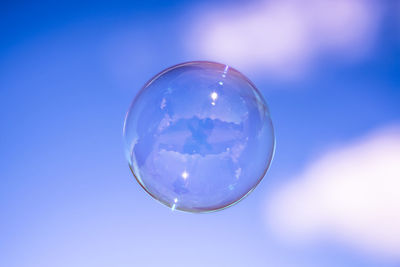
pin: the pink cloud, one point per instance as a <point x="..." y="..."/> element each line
<point x="284" y="37"/>
<point x="350" y="195"/>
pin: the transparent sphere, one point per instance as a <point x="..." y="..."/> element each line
<point x="199" y="136"/>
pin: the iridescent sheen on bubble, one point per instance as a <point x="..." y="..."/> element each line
<point x="199" y="136"/>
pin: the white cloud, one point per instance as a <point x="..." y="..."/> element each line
<point x="351" y="195"/>
<point x="283" y="37"/>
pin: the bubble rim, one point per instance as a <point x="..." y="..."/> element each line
<point x="267" y="112"/>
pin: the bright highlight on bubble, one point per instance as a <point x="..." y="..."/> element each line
<point x="199" y="137"/>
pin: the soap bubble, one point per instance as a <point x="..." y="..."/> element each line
<point x="199" y="136"/>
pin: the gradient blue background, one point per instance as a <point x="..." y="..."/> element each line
<point x="68" y="72"/>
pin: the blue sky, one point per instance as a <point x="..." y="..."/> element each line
<point x="68" y="72"/>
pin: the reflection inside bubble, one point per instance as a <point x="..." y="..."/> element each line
<point x="191" y="155"/>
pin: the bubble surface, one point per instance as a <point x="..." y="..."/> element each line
<point x="199" y="137"/>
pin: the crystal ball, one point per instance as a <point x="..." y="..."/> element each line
<point x="199" y="137"/>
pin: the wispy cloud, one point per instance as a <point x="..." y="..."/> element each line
<point x="284" y="37"/>
<point x="350" y="195"/>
